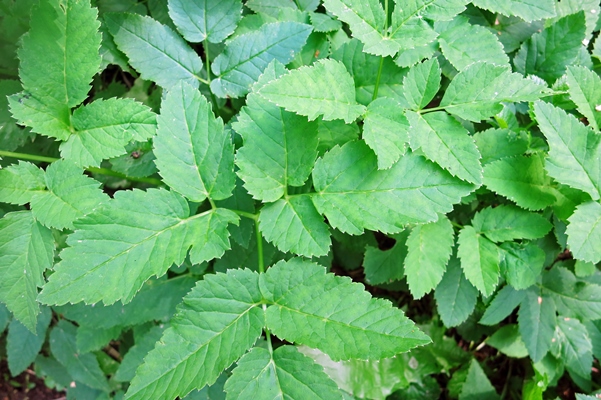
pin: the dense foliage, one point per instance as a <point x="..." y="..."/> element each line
<point x="188" y="187"/>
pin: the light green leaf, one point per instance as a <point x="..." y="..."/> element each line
<point x="20" y="182"/>
<point x="536" y="322"/>
<point x="200" y="20"/>
<point x="294" y="225"/>
<point x="547" y="54"/>
<point x="271" y="7"/>
<point x="576" y="347"/>
<point x="584" y="232"/>
<point x="279" y="148"/>
<point x="574" y="150"/>
<point x="521" y="179"/>
<point x="585" y="91"/>
<point x="408" y="29"/>
<point x="479" y="260"/>
<point x="130" y="238"/>
<point x="591" y="10"/>
<point x="311" y="307"/>
<point x="506" y="300"/>
<point x="573" y="297"/>
<point x="528" y="10"/>
<point x="506" y="222"/>
<point x="22" y="345"/>
<point x="83" y="368"/>
<point x="521" y="264"/>
<point x="443" y="10"/>
<point x="331" y="92"/>
<point x="246" y="56"/>
<point x="103" y="129"/>
<point x="286" y="373"/>
<point x="508" y="341"/>
<point x="495" y="144"/>
<point x="429" y="249"/>
<point x="155" y="50"/>
<point x="476" y="92"/>
<point x="386" y="266"/>
<point x="11" y="135"/>
<point x="354" y="195"/>
<point x="324" y="23"/>
<point x="70" y="195"/>
<point x="386" y="130"/>
<point x="27" y="251"/>
<point x="477" y="386"/>
<point x="135" y="355"/>
<point x="29" y="111"/>
<point x="422" y="83"/>
<point x="194" y="154"/>
<point x="445" y="141"/>
<point x="455" y="296"/>
<point x="464" y="44"/>
<point x="218" y="321"/>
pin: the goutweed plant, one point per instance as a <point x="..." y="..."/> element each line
<point x="181" y="178"/>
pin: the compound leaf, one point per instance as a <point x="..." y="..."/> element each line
<point x="354" y="195"/>
<point x="27" y="250"/>
<point x="495" y="144"/>
<point x="585" y="90"/>
<point x="22" y="345"/>
<point x="200" y="20"/>
<point x="218" y="321"/>
<point x="130" y="238"/>
<point x="455" y="296"/>
<point x="505" y="301"/>
<point x="31" y="112"/>
<point x="536" y="322"/>
<point x="155" y="50"/>
<point x="576" y="346"/>
<point x="528" y="10"/>
<point x="311" y="307"/>
<point x="422" y="83"/>
<point x="287" y="373"/>
<point x="479" y="260"/>
<point x="20" y="182"/>
<point x="521" y="264"/>
<point x="584" y="232"/>
<point x="443" y="10"/>
<point x="408" y="30"/>
<point x="194" y="153"/>
<point x="385" y="266"/>
<point x="507" y="222"/>
<point x="572" y="296"/>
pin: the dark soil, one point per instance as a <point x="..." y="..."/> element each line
<point x="25" y="386"/>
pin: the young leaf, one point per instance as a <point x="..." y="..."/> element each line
<point x="19" y="183"/>
<point x="476" y="92"/>
<point x="70" y="195"/>
<point x="576" y="347"/>
<point x="521" y="264"/>
<point x="385" y="266"/>
<point x="200" y="20"/>
<point x="422" y="83"/>
<point x="279" y="148"/>
<point x="585" y="91"/>
<point x="22" y="345"/>
<point x="246" y="56"/>
<point x="194" y="154"/>
<point x="310" y="307"/>
<point x="155" y="50"/>
<point x="27" y="251"/>
<point x="506" y="223"/>
<point x="429" y="248"/>
<point x="354" y="195"/>
<point x="572" y="296"/>
<point x="285" y="373"/>
<point x="506" y="300"/>
<point x="331" y="92"/>
<point x="445" y="141"/>
<point x="584" y="232"/>
<point x="455" y="296"/>
<point x="574" y="150"/>
<point x="528" y="10"/>
<point x="218" y="321"/>
<point x="537" y="321"/>
<point x="136" y="235"/>
<point x="386" y="130"/>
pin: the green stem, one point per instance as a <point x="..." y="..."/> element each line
<point x="456" y="225"/>
<point x="245" y="214"/>
<point x="259" y="247"/>
<point x="101" y="171"/>
<point x="268" y="335"/>
<point x="208" y="64"/>
<point x="377" y="85"/>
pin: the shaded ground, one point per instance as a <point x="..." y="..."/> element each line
<point x="25" y="386"/>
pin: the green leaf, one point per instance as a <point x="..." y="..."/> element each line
<point x="11" y="135"/>
<point x="218" y="321"/>
<point x="324" y="23"/>
<point x="464" y="44"/>
<point x="443" y="10"/>
<point x="127" y="240"/>
<point x="20" y="182"/>
<point x="521" y="264"/>
<point x="354" y="195"/>
<point x="495" y="144"/>
<point x="70" y="196"/>
<point x="521" y="179"/>
<point x="547" y="54"/>
<point x="200" y="20"/>
<point x="155" y="50"/>
<point x="22" y="345"/>
<point x="429" y="249"/>
<point x="386" y="130"/>
<point x="575" y="150"/>
<point x="528" y="10"/>
<point x="477" y="386"/>
<point x="408" y="29"/>
<point x="91" y="339"/>
<point x="27" y="251"/>
<point x="279" y="148"/>
<point x="422" y="83"/>
<point x="135" y="355"/>
<point x="335" y="133"/>
<point x="505" y="301"/>
<point x="584" y="232"/>
<point x="103" y="129"/>
<point x="294" y="225"/>
<point x="194" y="154"/>
<point x="477" y="92"/>
<point x="572" y="296"/>
<point x="246" y="56"/>
<point x="31" y="112"/>
<point x="385" y="266"/>
<point x="310" y="307"/>
<point x="506" y="222"/>
<point x="576" y="347"/>
<point x="479" y="260"/>
<point x="585" y="91"/>
<point x="331" y="93"/>
<point x="286" y="373"/>
<point x="455" y="296"/>
<point x="536" y="322"/>
<point x="445" y="141"/>
<point x="508" y="341"/>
